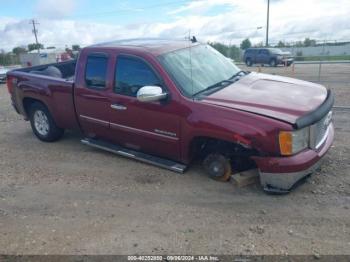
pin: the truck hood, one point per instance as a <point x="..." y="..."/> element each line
<point x="278" y="97"/>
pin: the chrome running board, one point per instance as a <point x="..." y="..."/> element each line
<point x="146" y="158"/>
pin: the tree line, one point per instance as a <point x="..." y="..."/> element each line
<point x="235" y="52"/>
<point x="231" y="51"/>
<point x="307" y="42"/>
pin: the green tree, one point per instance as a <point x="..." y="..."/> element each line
<point x="35" y="46"/>
<point x="76" y="47"/>
<point x="234" y="52"/>
<point x="8" y="58"/>
<point x="231" y="51"/>
<point x="246" y="44"/>
<point x="220" y="47"/>
<point x="299" y="44"/>
<point x="19" y="50"/>
<point x="260" y="44"/>
<point x="309" y="42"/>
<point x="281" y="44"/>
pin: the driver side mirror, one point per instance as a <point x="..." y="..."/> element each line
<point x="150" y="94"/>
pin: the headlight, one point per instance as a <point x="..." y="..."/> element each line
<point x="292" y="142"/>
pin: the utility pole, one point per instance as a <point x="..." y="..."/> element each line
<point x="35" y="31"/>
<point x="267" y="24"/>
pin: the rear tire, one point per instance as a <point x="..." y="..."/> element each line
<point x="218" y="166"/>
<point x="42" y="123"/>
<point x="248" y="62"/>
<point x="273" y="63"/>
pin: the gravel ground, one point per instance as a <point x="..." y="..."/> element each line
<point x="67" y="198"/>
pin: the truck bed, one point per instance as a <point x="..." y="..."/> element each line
<point x="64" y="70"/>
<point x="51" y="84"/>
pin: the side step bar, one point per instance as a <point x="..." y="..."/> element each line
<point x="150" y="159"/>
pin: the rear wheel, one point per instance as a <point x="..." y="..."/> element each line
<point x="248" y="62"/>
<point x="273" y="62"/>
<point x="217" y="166"/>
<point x="42" y="123"/>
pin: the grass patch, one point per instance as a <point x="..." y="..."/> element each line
<point x="322" y="58"/>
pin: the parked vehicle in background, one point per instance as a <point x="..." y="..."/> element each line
<point x="3" y="72"/>
<point x="169" y="102"/>
<point x="270" y="56"/>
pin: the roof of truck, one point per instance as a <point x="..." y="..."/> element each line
<point x="156" y="46"/>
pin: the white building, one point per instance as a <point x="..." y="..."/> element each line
<point x="46" y="56"/>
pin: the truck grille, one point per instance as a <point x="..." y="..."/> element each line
<point x="319" y="131"/>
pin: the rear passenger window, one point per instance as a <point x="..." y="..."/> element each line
<point x="96" y="71"/>
<point x="132" y="74"/>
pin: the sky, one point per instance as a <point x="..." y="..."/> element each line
<point x="65" y="22"/>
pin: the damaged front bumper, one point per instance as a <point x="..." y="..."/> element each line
<point x="283" y="182"/>
<point x="281" y="174"/>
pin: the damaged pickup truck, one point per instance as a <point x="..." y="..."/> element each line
<point x="168" y="102"/>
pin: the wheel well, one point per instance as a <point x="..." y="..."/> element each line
<point x="28" y="101"/>
<point x="204" y="145"/>
<point x="240" y="156"/>
<point x="249" y="61"/>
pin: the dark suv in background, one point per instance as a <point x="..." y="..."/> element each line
<point x="270" y="56"/>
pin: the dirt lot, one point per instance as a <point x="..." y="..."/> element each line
<point x="66" y="198"/>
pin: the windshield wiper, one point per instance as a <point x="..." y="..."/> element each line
<point x="238" y="74"/>
<point x="220" y="84"/>
<point x="223" y="83"/>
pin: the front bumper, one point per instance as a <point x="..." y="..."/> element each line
<point x="280" y="174"/>
<point x="287" y="61"/>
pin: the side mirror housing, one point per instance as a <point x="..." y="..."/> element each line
<point x="150" y="94"/>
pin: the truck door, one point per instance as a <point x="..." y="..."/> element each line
<point x="151" y="127"/>
<point x="263" y="56"/>
<point x="91" y="100"/>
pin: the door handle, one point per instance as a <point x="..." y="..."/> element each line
<point x="118" y="107"/>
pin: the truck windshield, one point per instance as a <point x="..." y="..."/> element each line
<point x="196" y="68"/>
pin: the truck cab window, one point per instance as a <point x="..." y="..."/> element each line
<point x="96" y="72"/>
<point x="132" y="74"/>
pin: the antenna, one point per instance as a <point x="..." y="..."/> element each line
<point x="190" y="50"/>
<point x="35" y="32"/>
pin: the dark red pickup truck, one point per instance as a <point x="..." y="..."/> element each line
<point x="170" y="102"/>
